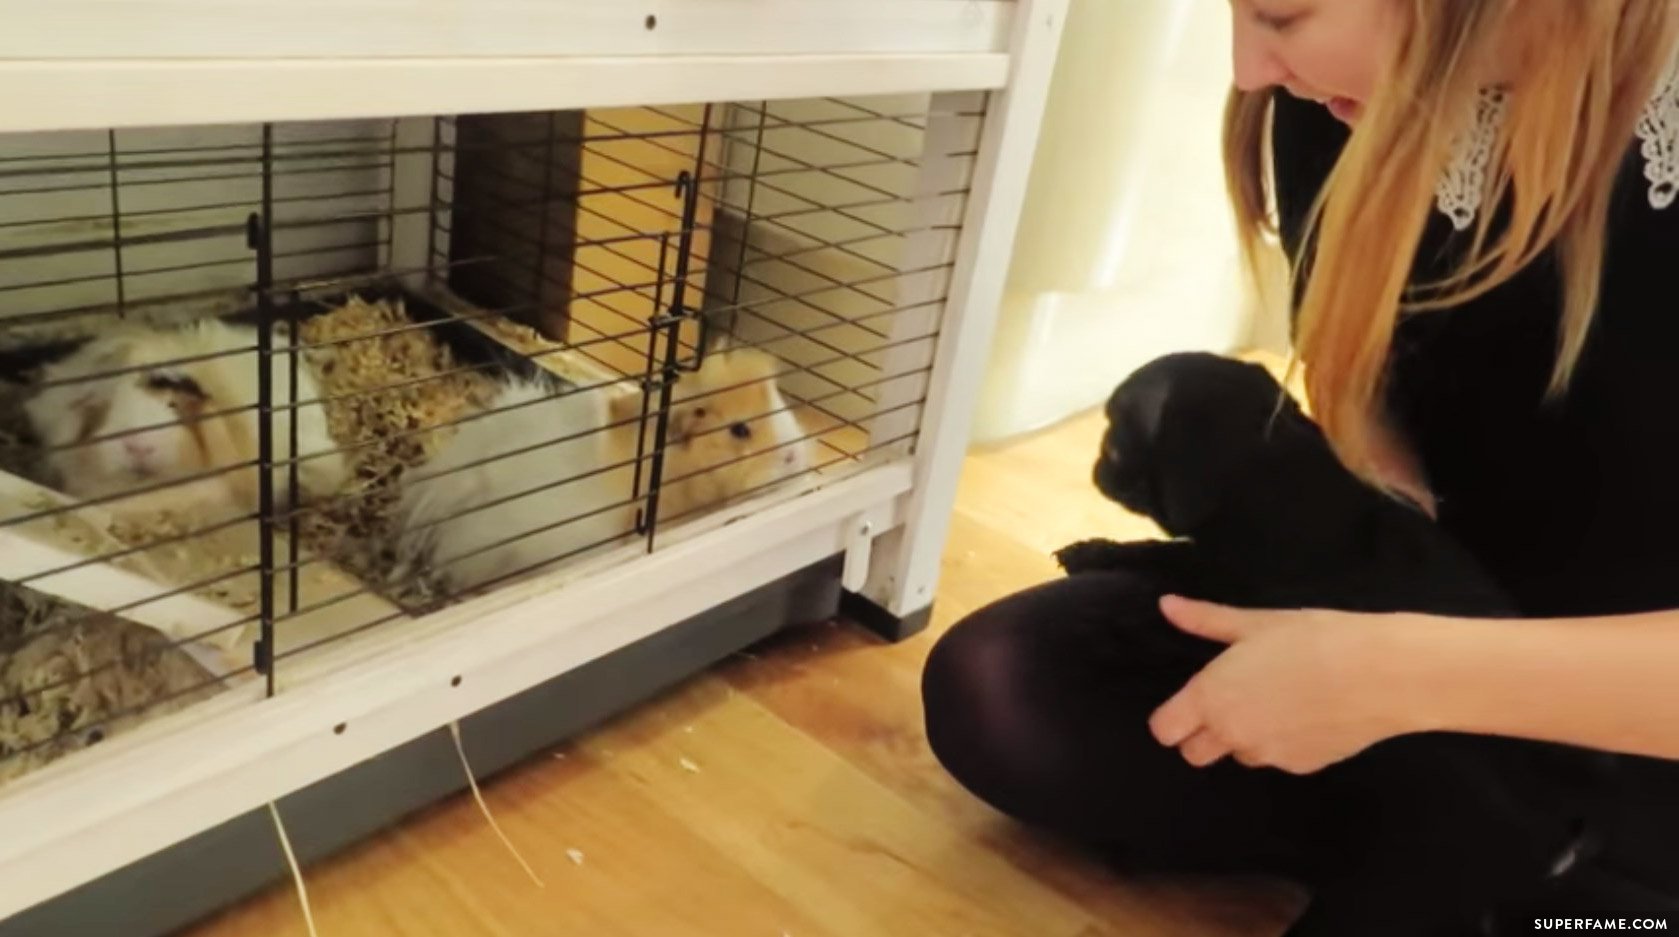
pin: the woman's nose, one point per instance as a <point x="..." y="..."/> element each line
<point x="1255" y="65"/>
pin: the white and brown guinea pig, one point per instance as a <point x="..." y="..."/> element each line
<point x="527" y="482"/>
<point x="730" y="433"/>
<point x="544" y="476"/>
<point x="164" y="418"/>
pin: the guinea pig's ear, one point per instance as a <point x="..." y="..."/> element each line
<point x="623" y="404"/>
<point x="716" y="334"/>
<point x="52" y="415"/>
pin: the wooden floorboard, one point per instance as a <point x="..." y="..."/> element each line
<point x="787" y="793"/>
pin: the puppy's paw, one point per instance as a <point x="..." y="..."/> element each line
<point x="1095" y="556"/>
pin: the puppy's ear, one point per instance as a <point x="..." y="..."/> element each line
<point x="1152" y="462"/>
<point x="1143" y="412"/>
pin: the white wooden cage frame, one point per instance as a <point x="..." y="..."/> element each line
<point x="76" y="64"/>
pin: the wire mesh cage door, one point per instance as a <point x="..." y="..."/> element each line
<point x="835" y="248"/>
<point x="447" y="355"/>
<point x="838" y="248"/>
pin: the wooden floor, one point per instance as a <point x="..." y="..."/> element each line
<point x="789" y="793"/>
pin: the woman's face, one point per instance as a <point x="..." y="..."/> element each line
<point x="1327" y="51"/>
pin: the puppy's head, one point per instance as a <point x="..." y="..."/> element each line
<point x="1191" y="435"/>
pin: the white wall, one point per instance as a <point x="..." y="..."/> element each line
<point x="1126" y="250"/>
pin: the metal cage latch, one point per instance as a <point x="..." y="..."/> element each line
<point x="859" y="543"/>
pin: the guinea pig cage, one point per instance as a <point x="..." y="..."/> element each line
<point x="378" y="373"/>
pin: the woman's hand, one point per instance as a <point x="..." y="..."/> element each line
<point x="1296" y="690"/>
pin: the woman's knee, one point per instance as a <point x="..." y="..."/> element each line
<point x="1014" y="693"/>
<point x="960" y="680"/>
<point x="975" y="708"/>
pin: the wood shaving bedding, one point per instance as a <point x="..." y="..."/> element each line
<point x="74" y="678"/>
<point x="25" y="613"/>
<point x="393" y="428"/>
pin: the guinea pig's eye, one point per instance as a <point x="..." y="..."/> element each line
<point x="699" y="413"/>
<point x="740" y="431"/>
<point x="175" y="383"/>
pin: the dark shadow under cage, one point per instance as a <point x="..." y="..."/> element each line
<point x="263" y="388"/>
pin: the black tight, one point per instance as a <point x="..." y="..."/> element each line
<point x="1039" y="703"/>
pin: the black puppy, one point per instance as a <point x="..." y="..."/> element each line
<point x="1264" y="515"/>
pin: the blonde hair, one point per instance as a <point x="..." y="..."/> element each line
<point x="1571" y="112"/>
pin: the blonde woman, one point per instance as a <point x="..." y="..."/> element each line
<point x="1479" y="201"/>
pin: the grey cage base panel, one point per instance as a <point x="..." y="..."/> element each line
<point x="193" y="879"/>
